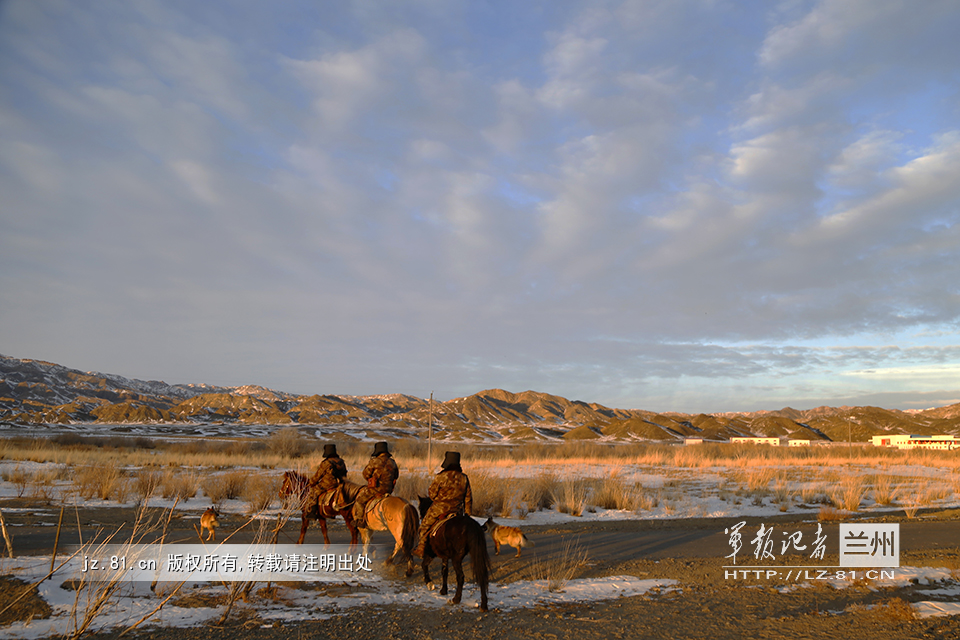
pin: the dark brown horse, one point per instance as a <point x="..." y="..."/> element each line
<point x="296" y="484"/>
<point x="451" y="540"/>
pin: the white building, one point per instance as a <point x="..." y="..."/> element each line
<point x="687" y="441"/>
<point x="798" y="443"/>
<point x="773" y="442"/>
<point x="916" y="442"/>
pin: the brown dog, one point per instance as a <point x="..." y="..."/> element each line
<point x="209" y="522"/>
<point x="510" y="536"/>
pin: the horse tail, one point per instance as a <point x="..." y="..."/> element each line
<point x="410" y="529"/>
<point x="477" y="546"/>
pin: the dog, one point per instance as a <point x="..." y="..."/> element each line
<point x="209" y="522"/>
<point x="510" y="536"/>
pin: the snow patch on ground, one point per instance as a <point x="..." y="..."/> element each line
<point x="134" y="600"/>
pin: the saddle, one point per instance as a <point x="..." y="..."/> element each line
<point x="369" y="506"/>
<point x="331" y="500"/>
<point x="372" y="504"/>
<point x="436" y="525"/>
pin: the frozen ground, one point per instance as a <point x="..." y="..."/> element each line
<point x="710" y="492"/>
<point x="134" y="600"/>
<point x="683" y="493"/>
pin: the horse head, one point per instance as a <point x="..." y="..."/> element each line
<point x="291" y="483"/>
<point x="424" y="504"/>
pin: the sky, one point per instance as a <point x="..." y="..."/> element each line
<point x="672" y="205"/>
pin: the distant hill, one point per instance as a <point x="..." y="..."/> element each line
<point x="37" y="392"/>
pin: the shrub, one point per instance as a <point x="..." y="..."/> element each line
<point x="613" y="493"/>
<point x="259" y="491"/>
<point x="848" y="493"/>
<point x="101" y="480"/>
<point x="570" y="496"/>
<point x="178" y="484"/>
<point x="558" y="569"/>
<point x="288" y="442"/>
<point x="538" y="493"/>
<point x="19" y="478"/>
<point x="224" y="486"/>
<point x="146" y="482"/>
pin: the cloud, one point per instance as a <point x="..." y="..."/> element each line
<point x="878" y="33"/>
<point x="383" y="198"/>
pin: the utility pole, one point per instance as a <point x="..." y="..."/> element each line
<point x="430" y="436"/>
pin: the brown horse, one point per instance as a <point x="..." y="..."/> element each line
<point x="296" y="484"/>
<point x="451" y="540"/>
<point x="397" y="516"/>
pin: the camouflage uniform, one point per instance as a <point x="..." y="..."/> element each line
<point x="381" y="474"/>
<point x="330" y="475"/>
<point x="450" y="493"/>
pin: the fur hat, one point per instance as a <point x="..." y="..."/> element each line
<point x="380" y="447"/>
<point x="329" y="451"/>
<point x="451" y="459"/>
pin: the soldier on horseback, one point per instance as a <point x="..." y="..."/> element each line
<point x="451" y="495"/>
<point x="381" y="474"/>
<point x="329" y="476"/>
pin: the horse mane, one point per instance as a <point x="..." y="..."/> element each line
<point x="351" y="489"/>
<point x="423" y="503"/>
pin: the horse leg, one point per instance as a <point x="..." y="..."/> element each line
<point x="323" y="528"/>
<point x="304" y="523"/>
<point x="351" y="526"/>
<point x="443" y="572"/>
<point x="397" y="550"/>
<point x="425" y="565"/>
<point x="458" y="568"/>
<point x="365" y="535"/>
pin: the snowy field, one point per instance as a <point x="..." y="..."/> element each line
<point x="710" y="492"/>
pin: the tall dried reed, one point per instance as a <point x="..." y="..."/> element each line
<point x="848" y="493"/>
<point x="224" y="486"/>
<point x="570" y="496"/>
<point x="558" y="569"/>
<point x="146" y="483"/>
<point x="101" y="480"/>
<point x="260" y="491"/>
<point x="19" y="478"/>
<point x="177" y="484"/>
<point x="613" y="493"/>
<point x="884" y="490"/>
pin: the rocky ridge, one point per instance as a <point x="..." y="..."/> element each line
<point x="36" y="392"/>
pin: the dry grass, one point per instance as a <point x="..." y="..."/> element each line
<point x="101" y="480"/>
<point x="146" y="483"/>
<point x="490" y="494"/>
<point x="178" y="484"/>
<point x="538" y="492"/>
<point x="884" y="490"/>
<point x="847" y="493"/>
<point x="556" y="571"/>
<point x="229" y="485"/>
<point x="19" y="478"/>
<point x="757" y="479"/>
<point x="283" y="447"/>
<point x="411" y="486"/>
<point x="288" y="442"/>
<point x="260" y="491"/>
<point x="613" y="493"/>
<point x="648" y="500"/>
<point x="830" y="514"/>
<point x="897" y="610"/>
<point x="759" y="474"/>
<point x="570" y="496"/>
